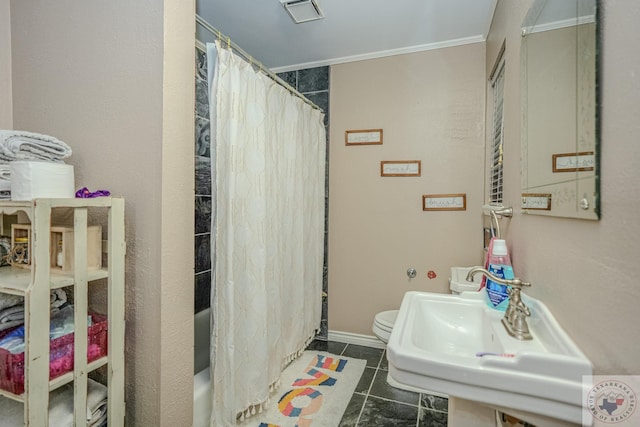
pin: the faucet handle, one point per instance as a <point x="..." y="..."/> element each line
<point x="518" y="283"/>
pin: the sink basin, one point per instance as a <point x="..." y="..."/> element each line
<point x="435" y="340"/>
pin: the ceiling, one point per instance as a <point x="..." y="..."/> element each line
<point x="351" y="30"/>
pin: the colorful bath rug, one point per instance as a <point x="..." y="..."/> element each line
<point x="314" y="391"/>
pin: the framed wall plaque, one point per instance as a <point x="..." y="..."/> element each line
<point x="540" y="202"/>
<point x="363" y="137"/>
<point x="574" y="162"/>
<point x="444" y="202"/>
<point x="400" y="168"/>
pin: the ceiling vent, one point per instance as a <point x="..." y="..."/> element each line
<point x="302" y="10"/>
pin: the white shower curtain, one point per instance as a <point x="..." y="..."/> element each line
<point x="268" y="173"/>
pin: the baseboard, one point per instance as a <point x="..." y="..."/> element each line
<point x="357" y="339"/>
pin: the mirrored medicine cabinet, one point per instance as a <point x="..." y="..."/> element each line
<point x="560" y="143"/>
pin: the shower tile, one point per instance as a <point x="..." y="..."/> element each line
<point x="313" y="79"/>
<point x="202" y="293"/>
<point x="201" y="65"/>
<point x="202" y="137"/>
<point x="202" y="99"/>
<point x="351" y="414"/>
<point x="203" y="176"/>
<point x="321" y="99"/>
<point x="381" y="388"/>
<point x="291" y="77"/>
<point x="325" y="281"/>
<point x="380" y="412"/>
<point x="430" y="418"/>
<point x="371" y="355"/>
<point x="202" y="253"/>
<point x="324" y="307"/>
<point x="436" y="403"/>
<point x="323" y="333"/>
<point x="203" y="214"/>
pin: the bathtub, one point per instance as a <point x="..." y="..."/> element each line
<point x="201" y="379"/>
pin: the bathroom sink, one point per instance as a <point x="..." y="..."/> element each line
<point x="436" y="339"/>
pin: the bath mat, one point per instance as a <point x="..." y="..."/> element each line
<point x="314" y="391"/>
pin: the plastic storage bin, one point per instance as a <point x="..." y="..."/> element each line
<point x="60" y="356"/>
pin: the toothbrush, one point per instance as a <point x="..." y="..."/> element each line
<point x="488" y="353"/>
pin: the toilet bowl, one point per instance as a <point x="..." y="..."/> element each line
<point x="384" y="321"/>
<point x="383" y="324"/>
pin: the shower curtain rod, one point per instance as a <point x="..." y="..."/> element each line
<point x="254" y="62"/>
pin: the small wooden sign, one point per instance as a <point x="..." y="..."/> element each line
<point x="540" y="202"/>
<point x="363" y="137"/>
<point x="574" y="162"/>
<point x="400" y="168"/>
<point x="444" y="202"/>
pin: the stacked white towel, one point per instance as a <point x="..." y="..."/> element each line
<point x="61" y="407"/>
<point x="5" y="181"/>
<point x="22" y="145"/>
<point x="12" y="308"/>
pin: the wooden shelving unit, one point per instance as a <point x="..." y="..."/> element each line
<point x="34" y="285"/>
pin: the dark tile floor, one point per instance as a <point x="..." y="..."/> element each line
<point x="375" y="403"/>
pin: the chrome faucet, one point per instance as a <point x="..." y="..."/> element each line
<point x="515" y="317"/>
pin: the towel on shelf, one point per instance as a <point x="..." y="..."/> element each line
<point x="5" y="178"/>
<point x="12" y="308"/>
<point x="7" y="300"/>
<point x="9" y="314"/>
<point x="22" y="145"/>
<point x="61" y="407"/>
<point x="58" y="298"/>
<point x="8" y="325"/>
<point x="5" y="172"/>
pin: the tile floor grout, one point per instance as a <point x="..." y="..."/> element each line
<point x="378" y="391"/>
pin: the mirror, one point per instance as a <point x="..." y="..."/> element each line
<point x="559" y="110"/>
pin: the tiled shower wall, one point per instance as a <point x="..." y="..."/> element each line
<point x="202" y="262"/>
<point x="314" y="84"/>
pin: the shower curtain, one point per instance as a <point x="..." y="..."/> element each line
<point x="268" y="172"/>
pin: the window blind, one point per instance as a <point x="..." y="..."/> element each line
<point x="496" y="151"/>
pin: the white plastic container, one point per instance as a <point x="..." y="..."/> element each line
<point x="31" y="180"/>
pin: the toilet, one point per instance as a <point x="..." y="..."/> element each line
<point x="384" y="321"/>
<point x="383" y="324"/>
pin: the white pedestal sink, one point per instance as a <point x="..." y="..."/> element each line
<point x="434" y="346"/>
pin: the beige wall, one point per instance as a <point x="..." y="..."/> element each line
<point x="6" y="103"/>
<point x="430" y="106"/>
<point x="115" y="81"/>
<point x="585" y="271"/>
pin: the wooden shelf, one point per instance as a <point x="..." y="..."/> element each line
<point x="35" y="283"/>
<point x="17" y="281"/>
<point x="58" y="381"/>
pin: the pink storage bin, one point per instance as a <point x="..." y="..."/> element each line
<point x="60" y="355"/>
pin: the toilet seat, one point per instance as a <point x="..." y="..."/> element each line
<point x="386" y="319"/>
<point x="383" y="324"/>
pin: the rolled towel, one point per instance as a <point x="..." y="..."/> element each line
<point x="58" y="298"/>
<point x="22" y="145"/>
<point x="7" y="325"/>
<point x="5" y="173"/>
<point x="12" y="313"/>
<point x="7" y="300"/>
<point x="5" y="180"/>
<point x="12" y="308"/>
<point x="61" y="407"/>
